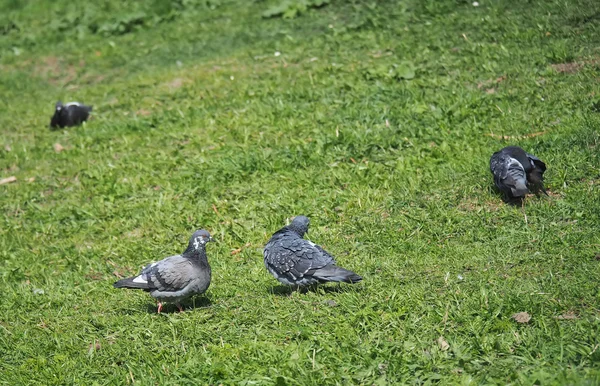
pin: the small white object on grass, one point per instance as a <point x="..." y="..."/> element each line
<point x="8" y="180"/>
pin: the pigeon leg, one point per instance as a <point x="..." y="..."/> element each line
<point x="179" y="306"/>
<point x="159" y="307"/>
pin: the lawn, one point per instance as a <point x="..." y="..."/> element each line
<point x="376" y="119"/>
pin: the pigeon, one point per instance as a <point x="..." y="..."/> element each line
<point x="71" y="114"/>
<point x="176" y="277"/>
<point x="299" y="262"/>
<point x="516" y="172"/>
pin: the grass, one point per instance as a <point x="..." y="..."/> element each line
<point x="376" y="120"/>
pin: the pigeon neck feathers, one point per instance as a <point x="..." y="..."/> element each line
<point x="192" y="251"/>
<point x="196" y="255"/>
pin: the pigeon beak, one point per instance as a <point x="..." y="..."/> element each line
<point x="211" y="239"/>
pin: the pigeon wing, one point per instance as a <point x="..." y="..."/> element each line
<point x="318" y="264"/>
<point x="169" y="275"/>
<point x="324" y="254"/>
<point x="538" y="163"/>
<point x="536" y="176"/>
<point x="289" y="256"/>
<point x="78" y="113"/>
<point x="297" y="257"/>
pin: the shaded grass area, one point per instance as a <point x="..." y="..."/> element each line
<point x="198" y="123"/>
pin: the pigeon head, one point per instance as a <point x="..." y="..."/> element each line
<point x="197" y="243"/>
<point x="300" y="225"/>
<point x="55" y="121"/>
<point x="199" y="239"/>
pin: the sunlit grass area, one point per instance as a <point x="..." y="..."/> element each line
<point x="374" y="119"/>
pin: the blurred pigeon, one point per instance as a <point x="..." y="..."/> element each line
<point x="175" y="277"/>
<point x="516" y="172"/>
<point x="295" y="261"/>
<point x="71" y="114"/>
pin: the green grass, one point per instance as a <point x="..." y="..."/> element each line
<point x="197" y="123"/>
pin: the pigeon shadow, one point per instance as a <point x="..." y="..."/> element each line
<point x="284" y="290"/>
<point x="190" y="304"/>
<point x="281" y="290"/>
<point x="512" y="201"/>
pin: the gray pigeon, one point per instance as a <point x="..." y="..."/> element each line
<point x="295" y="261"/>
<point x="175" y="277"/>
<point x="70" y="114"/>
<point x="516" y="172"/>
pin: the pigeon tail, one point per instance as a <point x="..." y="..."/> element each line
<point x="131" y="283"/>
<point x="336" y="274"/>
